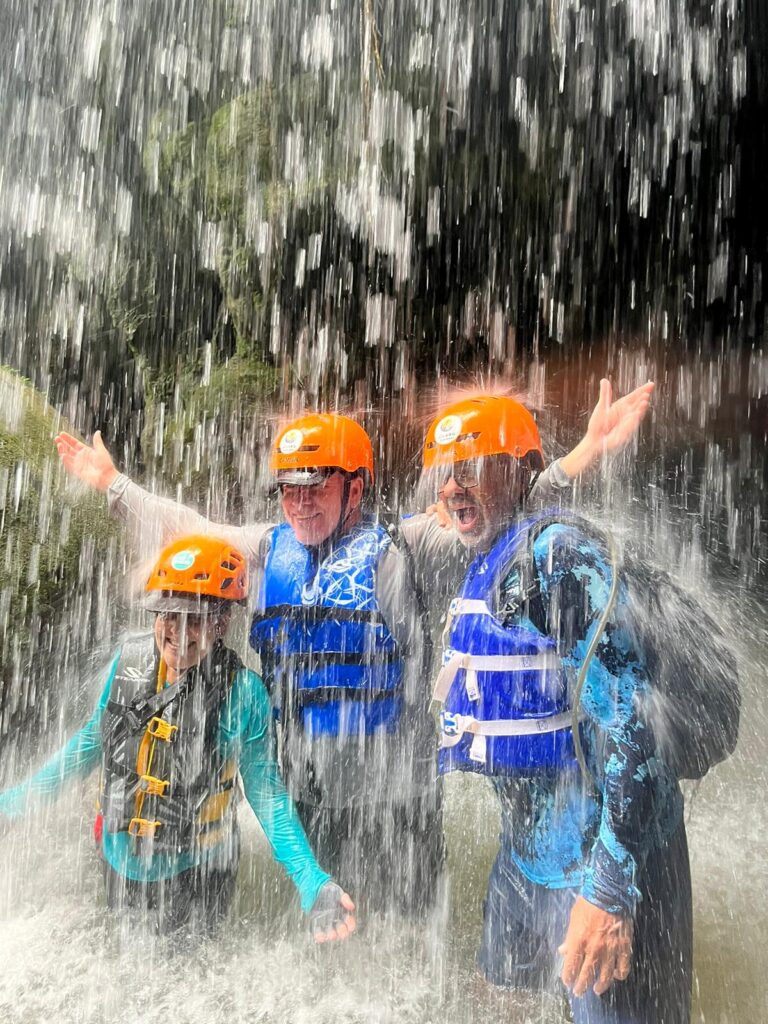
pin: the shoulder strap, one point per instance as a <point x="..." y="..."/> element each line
<point x="399" y="542"/>
<point x="135" y="715"/>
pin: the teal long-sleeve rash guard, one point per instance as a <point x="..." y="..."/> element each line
<point x="246" y="735"/>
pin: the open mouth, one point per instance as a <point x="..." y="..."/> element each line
<point x="466" y="517"/>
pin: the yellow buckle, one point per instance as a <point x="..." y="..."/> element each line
<point x="161" y="730"/>
<point x="140" y="828"/>
<point x="153" y="786"/>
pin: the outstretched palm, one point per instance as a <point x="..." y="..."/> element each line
<point x="90" y="463"/>
<point x="613" y="424"/>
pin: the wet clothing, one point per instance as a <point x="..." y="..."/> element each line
<point x="399" y="850"/>
<point x="524" y="923"/>
<point x="370" y="785"/>
<point x="162" y="772"/>
<point x="615" y="845"/>
<point x="200" y="896"/>
<point x="244" y="735"/>
<point x="333" y="667"/>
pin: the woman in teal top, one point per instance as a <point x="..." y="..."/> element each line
<point x="178" y="717"/>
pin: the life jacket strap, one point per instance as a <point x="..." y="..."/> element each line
<point x="473" y="663"/>
<point x="316" y="659"/>
<point x="453" y="727"/>
<point x="309" y="613"/>
<point x="321" y="694"/>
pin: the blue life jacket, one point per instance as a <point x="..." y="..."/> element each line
<point x="504" y="690"/>
<point x="332" y="664"/>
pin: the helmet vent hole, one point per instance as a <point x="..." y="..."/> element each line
<point x="226" y="583"/>
<point x="202" y="576"/>
<point x="230" y="566"/>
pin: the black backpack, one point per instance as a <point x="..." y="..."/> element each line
<point x="693" y="703"/>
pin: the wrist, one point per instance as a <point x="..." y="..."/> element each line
<point x="580" y="458"/>
<point x="107" y="478"/>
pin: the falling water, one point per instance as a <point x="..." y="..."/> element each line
<point x="214" y="213"/>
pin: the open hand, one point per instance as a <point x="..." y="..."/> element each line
<point x="90" y="463"/>
<point x="331" y="918"/>
<point x="613" y="424"/>
<point x="597" y="949"/>
<point x="439" y="512"/>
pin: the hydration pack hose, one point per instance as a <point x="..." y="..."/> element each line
<point x="581" y="678"/>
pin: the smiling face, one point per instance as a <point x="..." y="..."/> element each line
<point x="313" y="512"/>
<point x="185" y="640"/>
<point x="481" y="495"/>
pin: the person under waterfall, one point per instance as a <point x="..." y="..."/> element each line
<point x="341" y="626"/>
<point x="591" y="882"/>
<point x="178" y="718"/>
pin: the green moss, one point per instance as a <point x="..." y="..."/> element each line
<point x="234" y="390"/>
<point x="44" y="521"/>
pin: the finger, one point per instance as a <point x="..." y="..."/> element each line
<point x="586" y="977"/>
<point x="605" y="975"/>
<point x="574" y="957"/>
<point x="98" y="444"/>
<point x="341" y="932"/>
<point x="623" y="966"/>
<point x="67" y="439"/>
<point x="606" y="393"/>
<point x="623" y="959"/>
<point x="351" y="924"/>
<point x="347" y="902"/>
<point x="328" y="936"/>
<point x="67" y="445"/>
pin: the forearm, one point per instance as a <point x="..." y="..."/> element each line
<point x="274" y="808"/>
<point x="552" y="484"/>
<point x="156" y="520"/>
<point x="77" y="759"/>
<point x="578" y="459"/>
<point x="641" y="804"/>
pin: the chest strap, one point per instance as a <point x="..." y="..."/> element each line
<point x="474" y="663"/>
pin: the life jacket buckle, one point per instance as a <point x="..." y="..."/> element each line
<point x="142" y="828"/>
<point x="153" y="786"/>
<point x="161" y="730"/>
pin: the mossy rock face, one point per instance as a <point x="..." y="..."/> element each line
<point x="204" y="428"/>
<point x="56" y="541"/>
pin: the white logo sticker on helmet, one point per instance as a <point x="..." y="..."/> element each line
<point x="291" y="441"/>
<point x="448" y="429"/>
<point x="183" y="560"/>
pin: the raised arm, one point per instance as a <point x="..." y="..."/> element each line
<point x="154" y="520"/>
<point x="611" y="426"/>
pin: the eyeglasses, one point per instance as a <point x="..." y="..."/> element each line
<point x="465" y="473"/>
<point x="294" y="491"/>
<point x="181" y="619"/>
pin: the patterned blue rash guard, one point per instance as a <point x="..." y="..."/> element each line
<point x="556" y="828"/>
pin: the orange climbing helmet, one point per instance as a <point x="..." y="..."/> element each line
<point x="312" y="443"/>
<point x="196" y="571"/>
<point x="480" y="426"/>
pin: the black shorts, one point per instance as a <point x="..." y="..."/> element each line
<point x="201" y="896"/>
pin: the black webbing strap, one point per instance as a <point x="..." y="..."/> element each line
<point x="136" y="715"/>
<point x="321" y="694"/>
<point x="317" y="613"/>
